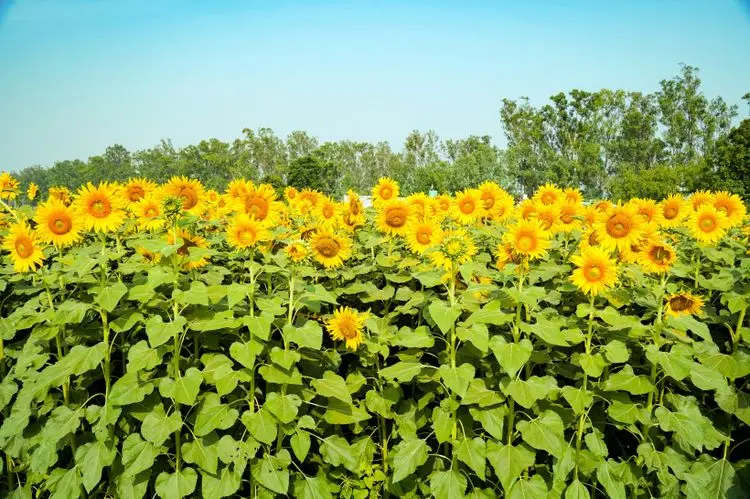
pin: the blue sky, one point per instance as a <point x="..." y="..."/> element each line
<point x="78" y="75"/>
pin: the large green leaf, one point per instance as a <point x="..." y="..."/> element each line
<point x="402" y="372"/>
<point x="527" y="392"/>
<point x="158" y="425"/>
<point x="408" y="455"/>
<point x="316" y="487"/>
<point x="626" y="380"/>
<point x="511" y="356"/>
<point x="203" y="452"/>
<point x="159" y="332"/>
<point x="92" y="458"/>
<point x="544" y="432"/>
<point x="337" y="452"/>
<point x="332" y="385"/>
<point x="310" y="335"/>
<point x="533" y="488"/>
<point x="176" y="485"/>
<point x="272" y="472"/>
<point x="108" y="297"/>
<point x="473" y="453"/>
<point x="213" y="414"/>
<point x="443" y="315"/>
<point x="137" y="454"/>
<point x="185" y="388"/>
<point x="457" y="379"/>
<point x="449" y="484"/>
<point x="284" y="407"/>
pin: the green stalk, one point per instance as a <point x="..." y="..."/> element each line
<point x="582" y="419"/>
<point x="452" y="345"/>
<point x="736" y="337"/>
<point x="516" y="339"/>
<point x="176" y="374"/>
<point x="289" y="321"/>
<point x="697" y="268"/>
<point x="382" y="425"/>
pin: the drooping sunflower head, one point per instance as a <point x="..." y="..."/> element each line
<point x="354" y="204"/>
<point x="57" y="224"/>
<point x="422" y="235"/>
<point x="190" y="191"/>
<point x="589" y="239"/>
<point x="683" y="304"/>
<point x="528" y="239"/>
<point x="548" y="194"/>
<point x="707" y="224"/>
<point x="32" y="191"/>
<point x="603" y="206"/>
<point x="385" y="190"/>
<point x="548" y="216"/>
<point x="329" y="249"/>
<point x="297" y="251"/>
<point x="569" y="216"/>
<point x="674" y="209"/>
<point x="188" y="261"/>
<point x="238" y="187"/>
<point x="619" y="227"/>
<point x="245" y="232"/>
<point x="595" y="271"/>
<point x="527" y="209"/>
<point x="147" y="255"/>
<point x="467" y="207"/>
<point x="137" y="188"/>
<point x="504" y="254"/>
<point x="440" y="206"/>
<point x="658" y="257"/>
<point x="419" y="203"/>
<point x="8" y="186"/>
<point x="699" y="198"/>
<point x="100" y="208"/>
<point x="23" y="245"/>
<point x="393" y="217"/>
<point x="347" y="325"/>
<point x="60" y="193"/>
<point x="453" y="248"/>
<point x="590" y="215"/>
<point x="731" y="205"/>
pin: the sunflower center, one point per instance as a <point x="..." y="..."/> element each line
<point x="396" y="218"/>
<point x="386" y="192"/>
<point x="467" y="206"/>
<point x="547" y="221"/>
<point x="566" y="218"/>
<point x="328" y="247"/>
<point x="100" y="208"/>
<point x="189" y="198"/>
<point x="488" y="201"/>
<point x="135" y="193"/>
<point x="660" y="254"/>
<point x="670" y="212"/>
<point x="151" y="212"/>
<point x="680" y="303"/>
<point x="24" y="247"/>
<point x="246" y="235"/>
<point x="60" y="225"/>
<point x="348" y="329"/>
<point x="526" y="242"/>
<point x="453" y="248"/>
<point x="593" y="273"/>
<point x="548" y="198"/>
<point x="708" y="224"/>
<point x="593" y="240"/>
<point x="423" y="236"/>
<point x="257" y="207"/>
<point x="618" y="226"/>
<point x="328" y="211"/>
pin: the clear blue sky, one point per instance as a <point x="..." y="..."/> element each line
<point x="76" y="76"/>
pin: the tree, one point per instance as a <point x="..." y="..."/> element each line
<point x="313" y="172"/>
<point x="732" y="161"/>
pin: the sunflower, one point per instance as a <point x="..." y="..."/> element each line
<point x="290" y="193"/>
<point x="634" y="253"/>
<point x="489" y="193"/>
<point x="602" y="206"/>
<point x="347" y="325"/>
<point x="453" y="248"/>
<point x="385" y="190"/>
<point x="683" y="304"/>
<point x="467" y="207"/>
<point x="238" y="187"/>
<point x="590" y="215"/>
<point x="60" y="193"/>
<point x="504" y="254"/>
<point x="572" y="195"/>
<point x="595" y="271"/>
<point x="569" y="219"/>
<point x="352" y="213"/>
<point x="329" y="249"/>
<point x="394" y="217"/>
<point x="419" y="203"/>
<point x="57" y="224"/>
<point x="327" y="212"/>
<point x="24" y="250"/>
<point x="297" y="251"/>
<point x="148" y="213"/>
<point x="190" y="191"/>
<point x="589" y="239"/>
<point x="148" y="255"/>
<point x="549" y="216"/>
<point x="308" y="196"/>
<point x="503" y="208"/>
<point x="619" y="227"/>
<point x="707" y="224"/>
<point x="527" y="209"/>
<point x="8" y="186"/>
<point x="528" y="239"/>
<point x="244" y="232"/>
<point x="422" y="235"/>
<point x="731" y="205"/>
<point x="260" y="203"/>
<point x="189" y="241"/>
<point x="649" y="211"/>
<point x="548" y="194"/>
<point x="699" y="198"/>
<point x="137" y="188"/>
<point x="658" y="257"/>
<point x="440" y="206"/>
<point x="674" y="209"/>
<point x="32" y="191"/>
<point x="99" y="207"/>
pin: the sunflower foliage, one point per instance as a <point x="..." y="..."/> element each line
<point x="172" y="341"/>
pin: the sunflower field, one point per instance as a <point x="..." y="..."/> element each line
<point x="172" y="341"/>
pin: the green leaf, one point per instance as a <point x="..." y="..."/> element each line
<point x="711" y="480"/>
<point x="212" y="415"/>
<point x="408" y="455"/>
<point x="259" y="326"/>
<point x="479" y="394"/>
<point x="159" y="332"/>
<point x="616" y="352"/>
<point x="310" y="335"/>
<point x="336" y="450"/>
<point x="443" y="315"/>
<point x="332" y="385"/>
<point x="272" y="472"/>
<point x="448" y="484"/>
<point x="245" y="353"/>
<point x="312" y="488"/>
<point x="626" y="380"/>
<point x="176" y="485"/>
<point x="491" y="313"/>
<point x="544" y="432"/>
<point x="442" y="423"/>
<point x="65" y="484"/>
<point x="511" y="356"/>
<point x="283" y="407"/>
<point x="222" y="484"/>
<point x="261" y="424"/>
<point x="593" y="364"/>
<point x="492" y="419"/>
<point x="527" y="392"/>
<point x="196" y="294"/>
<point x="478" y="335"/>
<point x="533" y="488"/>
<point x="473" y="452"/>
<point x="403" y="371"/>
<point x="202" y="451"/>
<point x="578" y="398"/>
<point x="142" y="357"/>
<point x="300" y="443"/>
<point x="706" y="378"/>
<point x="457" y="379"/>
<point x="612" y="484"/>
<point x="509" y="461"/>
<point x="157" y="426"/>
<point x="108" y="298"/>
<point x="577" y="490"/>
<point x="92" y="458"/>
<point x="137" y="455"/>
<point x="185" y="389"/>
<point x="129" y="390"/>
<point x="237" y="293"/>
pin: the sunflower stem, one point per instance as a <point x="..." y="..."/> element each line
<point x="516" y="339"/>
<point x="587" y="346"/>
<point x="452" y="298"/>
<point x="697" y="268"/>
<point x="737" y="336"/>
<point x="289" y="321"/>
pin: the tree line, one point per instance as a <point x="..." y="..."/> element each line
<point x="610" y="143"/>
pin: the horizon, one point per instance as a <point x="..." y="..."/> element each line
<point x="86" y="75"/>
